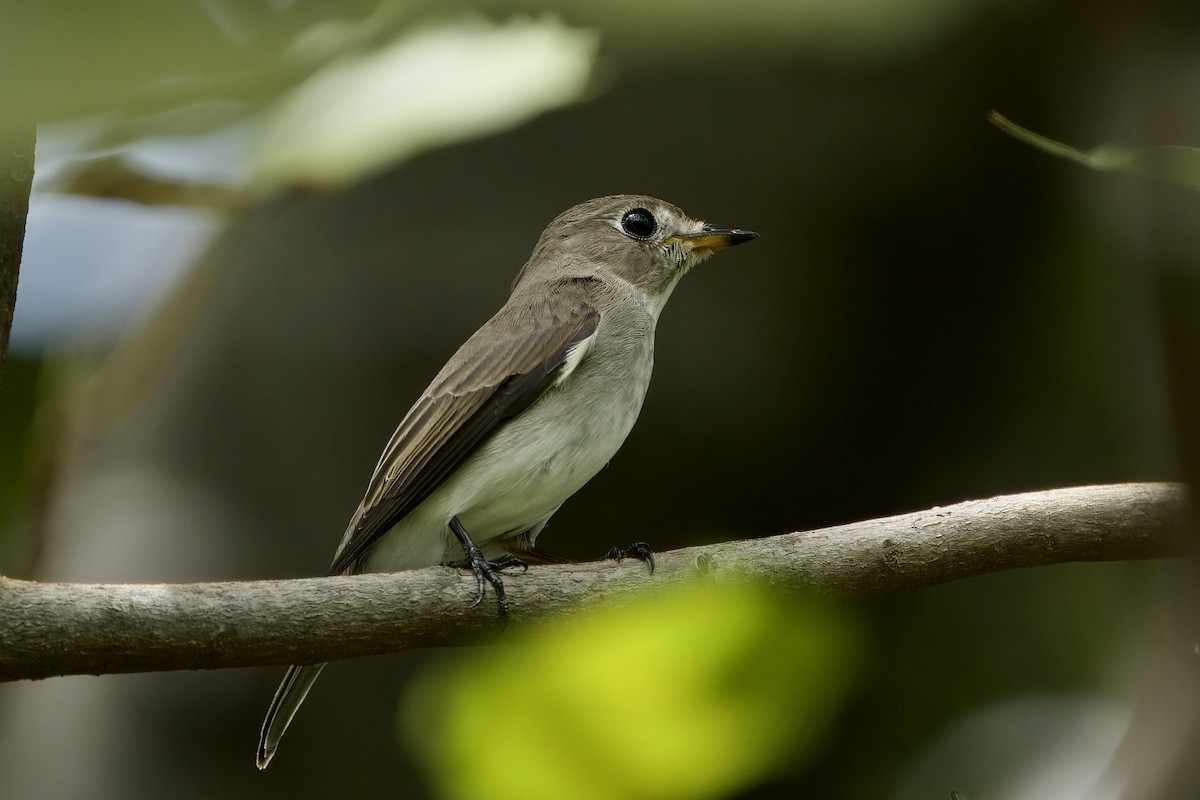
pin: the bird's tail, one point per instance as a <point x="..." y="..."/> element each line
<point x="288" y="697"/>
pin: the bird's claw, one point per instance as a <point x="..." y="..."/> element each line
<point x="639" y="550"/>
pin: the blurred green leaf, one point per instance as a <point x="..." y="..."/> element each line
<point x="1174" y="163"/>
<point x="693" y="693"/>
<point x="435" y="85"/>
<point x="393" y="91"/>
<point x="64" y="60"/>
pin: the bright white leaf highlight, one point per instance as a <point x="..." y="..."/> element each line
<point x="431" y="87"/>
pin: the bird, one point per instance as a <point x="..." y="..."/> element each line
<point x="527" y="411"/>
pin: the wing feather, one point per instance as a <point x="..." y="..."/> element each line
<point x="501" y="370"/>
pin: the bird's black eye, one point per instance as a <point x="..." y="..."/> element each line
<point x="639" y="223"/>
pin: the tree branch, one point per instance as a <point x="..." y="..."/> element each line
<point x="16" y="178"/>
<point x="51" y="629"/>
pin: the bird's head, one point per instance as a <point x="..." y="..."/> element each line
<point x="644" y="241"/>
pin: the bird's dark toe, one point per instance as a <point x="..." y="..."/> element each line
<point x="509" y="561"/>
<point x="639" y="550"/>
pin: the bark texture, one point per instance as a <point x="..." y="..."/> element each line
<point x="49" y="629"/>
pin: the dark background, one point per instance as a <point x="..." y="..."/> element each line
<point x="934" y="312"/>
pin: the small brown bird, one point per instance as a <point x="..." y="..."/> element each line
<point x="532" y="406"/>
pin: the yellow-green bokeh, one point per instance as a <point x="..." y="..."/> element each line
<point x="692" y="693"/>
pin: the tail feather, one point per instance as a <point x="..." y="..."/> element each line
<point x="288" y="697"/>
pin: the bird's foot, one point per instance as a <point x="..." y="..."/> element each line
<point x="508" y="561"/>
<point x="485" y="571"/>
<point x="639" y="550"/>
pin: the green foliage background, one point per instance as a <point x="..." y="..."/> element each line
<point x="934" y="312"/>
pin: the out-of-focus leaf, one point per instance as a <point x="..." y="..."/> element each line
<point x="75" y="59"/>
<point x="1024" y="746"/>
<point x="694" y="693"/>
<point x="1174" y="163"/>
<point x="437" y="85"/>
<point x="381" y="101"/>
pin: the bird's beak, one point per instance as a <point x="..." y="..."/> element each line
<point x="709" y="239"/>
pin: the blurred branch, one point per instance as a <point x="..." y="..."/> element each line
<point x="115" y="178"/>
<point x="16" y="178"/>
<point x="49" y="629"/>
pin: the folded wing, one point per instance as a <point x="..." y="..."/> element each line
<point x="501" y="370"/>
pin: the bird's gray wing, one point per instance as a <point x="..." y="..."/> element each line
<point x="500" y="371"/>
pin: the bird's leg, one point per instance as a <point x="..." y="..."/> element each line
<point x="639" y="550"/>
<point x="483" y="569"/>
